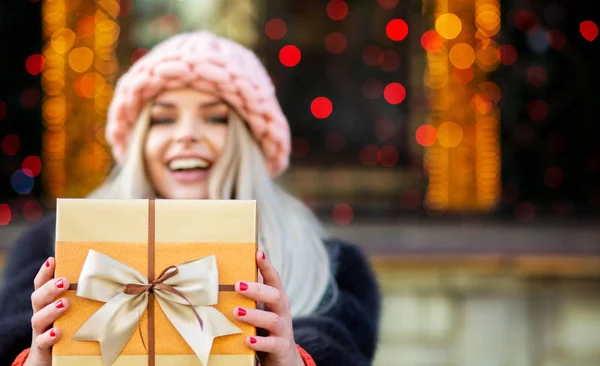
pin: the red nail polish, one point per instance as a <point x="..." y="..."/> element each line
<point x="60" y="283"/>
<point x="52" y="334"/>
<point x="60" y="304"/>
<point x="252" y="340"/>
<point x="241" y="312"/>
<point x="243" y="286"/>
<point x="263" y="256"/>
<point x="47" y="263"/>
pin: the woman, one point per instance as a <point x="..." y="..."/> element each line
<point x="197" y="118"/>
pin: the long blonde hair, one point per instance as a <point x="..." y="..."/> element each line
<point x="288" y="231"/>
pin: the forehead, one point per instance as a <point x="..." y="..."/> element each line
<point x="187" y="96"/>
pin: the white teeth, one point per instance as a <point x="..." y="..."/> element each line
<point x="188" y="163"/>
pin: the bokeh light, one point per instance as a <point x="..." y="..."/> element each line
<point x="431" y="41"/>
<point x="589" y="30"/>
<point x="335" y="142"/>
<point x="396" y="29"/>
<point x="342" y="214"/>
<point x="537" y="110"/>
<point x="385" y="129"/>
<point x="335" y="42"/>
<point x="32" y="211"/>
<point x="22" y="183"/>
<point x="387" y="156"/>
<point x="449" y="134"/>
<point x="138" y="53"/>
<point x="426" y="135"/>
<point x="32" y="166"/>
<point x="556" y="39"/>
<point x="30" y="97"/>
<point x="2" y="110"/>
<point x="448" y="25"/>
<point x="372" y="55"/>
<point x="5" y="214"/>
<point x="394" y="93"/>
<point x="290" y="55"/>
<point x="492" y="90"/>
<point x="62" y="40"/>
<point x="536" y="75"/>
<point x="390" y="62"/>
<point x="337" y="9"/>
<point x="554" y="177"/>
<point x="11" y="144"/>
<point x="80" y="59"/>
<point x="410" y="199"/>
<point x="388" y="4"/>
<point x="507" y="54"/>
<point x="275" y="28"/>
<point x="462" y="55"/>
<point x="34" y="64"/>
<point x="481" y="103"/>
<point x="368" y="155"/>
<point x="321" y="107"/>
<point x="463" y="76"/>
<point x="85" y="26"/>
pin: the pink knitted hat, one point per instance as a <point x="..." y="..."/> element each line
<point x="208" y="63"/>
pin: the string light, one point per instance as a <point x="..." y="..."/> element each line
<point x="78" y="76"/>
<point x="462" y="156"/>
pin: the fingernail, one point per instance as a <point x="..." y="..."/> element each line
<point x="60" y="304"/>
<point x="60" y="283"/>
<point x="52" y="334"/>
<point x="241" y="312"/>
<point x="47" y="263"/>
<point x="243" y="286"/>
<point x="263" y="256"/>
<point x="252" y="340"/>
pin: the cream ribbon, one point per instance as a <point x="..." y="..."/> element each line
<point x="103" y="279"/>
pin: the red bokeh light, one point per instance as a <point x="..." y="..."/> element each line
<point x="431" y="41"/>
<point x="426" y="135"/>
<point x="554" y="177"/>
<point x="342" y="214"/>
<point x="335" y="142"/>
<point x="321" y="107"/>
<point x="138" y="53"/>
<point x="33" y="165"/>
<point x="524" y="211"/>
<point x="11" y="144"/>
<point x="85" y="26"/>
<point x="523" y="19"/>
<point x="463" y="76"/>
<point x="387" y="156"/>
<point x="2" y="110"/>
<point x="410" y="199"/>
<point x="335" y="42"/>
<point x="337" y="9"/>
<point x="385" y="129"/>
<point x="290" y="55"/>
<point x="275" y="28"/>
<point x="507" y="54"/>
<point x="372" y="55"/>
<point x="30" y="97"/>
<point x="5" y="214"/>
<point x="556" y="39"/>
<point x="536" y="75"/>
<point x="396" y="29"/>
<point x="390" y="62"/>
<point x="589" y="30"/>
<point x="538" y="110"/>
<point x="300" y="147"/>
<point x="368" y="155"/>
<point x="388" y="4"/>
<point x="394" y="93"/>
<point x="34" y="64"/>
<point x="372" y="88"/>
<point x="32" y="211"/>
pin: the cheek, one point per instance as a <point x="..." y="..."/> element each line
<point x="221" y="138"/>
<point x="155" y="143"/>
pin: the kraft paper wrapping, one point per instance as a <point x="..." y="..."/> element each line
<point x="184" y="230"/>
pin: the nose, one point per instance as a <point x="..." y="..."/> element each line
<point x="188" y="130"/>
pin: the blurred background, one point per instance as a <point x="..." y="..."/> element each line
<point x="456" y="141"/>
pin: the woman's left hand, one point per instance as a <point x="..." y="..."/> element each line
<point x="279" y="346"/>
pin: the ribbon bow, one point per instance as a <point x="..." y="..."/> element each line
<point x="184" y="292"/>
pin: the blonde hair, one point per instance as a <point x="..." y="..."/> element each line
<point x="288" y="231"/>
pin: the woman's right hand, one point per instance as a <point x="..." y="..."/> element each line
<point x="47" y="307"/>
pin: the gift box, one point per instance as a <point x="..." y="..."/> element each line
<point x="152" y="281"/>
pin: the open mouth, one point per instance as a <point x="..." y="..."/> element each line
<point x="189" y="164"/>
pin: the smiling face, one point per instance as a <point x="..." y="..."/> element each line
<point x="187" y="134"/>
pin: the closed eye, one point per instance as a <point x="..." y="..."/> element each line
<point x="161" y="121"/>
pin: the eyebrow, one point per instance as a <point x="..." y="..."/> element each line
<point x="203" y="105"/>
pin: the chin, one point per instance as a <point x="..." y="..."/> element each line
<point x="186" y="193"/>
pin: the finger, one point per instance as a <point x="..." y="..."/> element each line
<point x="47" y="339"/>
<point x="269" y="273"/>
<point x="42" y="320"/>
<point x="268" y="344"/>
<point x="48" y="293"/>
<point x="45" y="273"/>
<point x="270" y="321"/>
<point x="275" y="299"/>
